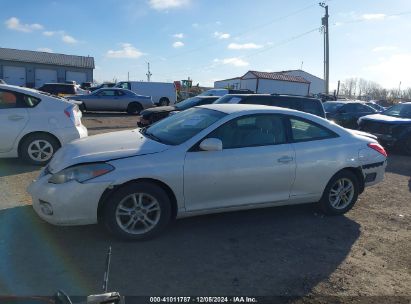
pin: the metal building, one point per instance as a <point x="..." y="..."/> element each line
<point x="317" y="84"/>
<point x="33" y="69"/>
<point x="296" y="82"/>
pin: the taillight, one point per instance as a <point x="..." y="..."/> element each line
<point x="378" y="148"/>
<point x="72" y="112"/>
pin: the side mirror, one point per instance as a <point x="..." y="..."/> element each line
<point x="211" y="144"/>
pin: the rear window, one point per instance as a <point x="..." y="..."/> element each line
<point x="66" y="89"/>
<point x="229" y="99"/>
<point x="305" y="105"/>
<point x="332" y="107"/>
<point x="312" y="107"/>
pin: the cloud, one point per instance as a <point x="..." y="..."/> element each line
<point x="13" y="23"/>
<point x="167" y="4"/>
<point x="221" y="35"/>
<point x="179" y="35"/>
<point x="373" y="16"/>
<point x="391" y="70"/>
<point x="384" y="48"/>
<point x="244" y="46"/>
<point x="68" y="39"/>
<point x="178" y="44"/>
<point x="234" y="61"/>
<point x="127" y="51"/>
<point x="48" y="33"/>
<point x="47" y="50"/>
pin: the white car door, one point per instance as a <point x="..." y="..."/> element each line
<point x="256" y="165"/>
<point x="319" y="153"/>
<point x="13" y="119"/>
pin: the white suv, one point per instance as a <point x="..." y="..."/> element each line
<point x="34" y="125"/>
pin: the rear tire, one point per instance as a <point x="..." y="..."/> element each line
<point x="164" y="102"/>
<point x="340" y="194"/>
<point x="134" y="108"/>
<point x="38" y="149"/>
<point x="137" y="211"/>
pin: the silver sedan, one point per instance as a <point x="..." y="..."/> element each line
<point x="114" y="99"/>
<point x="213" y="158"/>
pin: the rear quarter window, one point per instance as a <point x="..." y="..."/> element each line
<point x="305" y="130"/>
<point x="31" y="101"/>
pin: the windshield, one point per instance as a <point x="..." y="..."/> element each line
<point x="188" y="103"/>
<point x="401" y="110"/>
<point x="229" y="99"/>
<point x="180" y="127"/>
<point x="221" y="92"/>
<point x="332" y="107"/>
<point x="375" y="106"/>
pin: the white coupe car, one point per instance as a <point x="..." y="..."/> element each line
<point x="33" y="125"/>
<point x="207" y="159"/>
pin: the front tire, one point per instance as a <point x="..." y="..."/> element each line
<point x="164" y="102"/>
<point x="38" y="149"/>
<point x="340" y="194"/>
<point x="134" y="108"/>
<point x="137" y="211"/>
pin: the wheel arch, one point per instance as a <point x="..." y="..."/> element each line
<point x="357" y="171"/>
<point x="135" y="102"/>
<point x="164" y="98"/>
<point x="22" y="139"/>
<point x="111" y="190"/>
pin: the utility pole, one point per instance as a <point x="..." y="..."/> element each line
<point x="399" y="90"/>
<point x="324" y="22"/>
<point x="148" y="72"/>
<point x="128" y="76"/>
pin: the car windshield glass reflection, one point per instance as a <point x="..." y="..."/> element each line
<point x="401" y="110"/>
<point x="188" y="103"/>
<point x="332" y="107"/>
<point x="178" y="128"/>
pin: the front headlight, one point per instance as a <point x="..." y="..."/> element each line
<point x="81" y="173"/>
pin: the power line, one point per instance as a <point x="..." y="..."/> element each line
<point x="242" y="33"/>
<point x="278" y="44"/>
<point x="368" y="20"/>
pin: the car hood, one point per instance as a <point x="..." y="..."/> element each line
<point x="158" y="110"/>
<point x="104" y="147"/>
<point x="386" y="118"/>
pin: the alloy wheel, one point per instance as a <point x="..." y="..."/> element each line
<point x="138" y="213"/>
<point x="40" y="150"/>
<point x="341" y="193"/>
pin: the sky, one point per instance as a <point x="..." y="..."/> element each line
<point x="210" y="40"/>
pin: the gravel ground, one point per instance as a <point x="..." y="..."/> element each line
<point x="277" y="251"/>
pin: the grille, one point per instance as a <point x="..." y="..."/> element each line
<point x="375" y="127"/>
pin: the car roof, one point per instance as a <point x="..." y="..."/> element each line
<point x="345" y="101"/>
<point x="274" y="96"/>
<point x="206" y="97"/>
<point x="18" y="89"/>
<point x="234" y="108"/>
<point x="59" y="83"/>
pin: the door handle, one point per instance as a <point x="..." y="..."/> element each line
<point x="16" y="117"/>
<point x="285" y="159"/>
